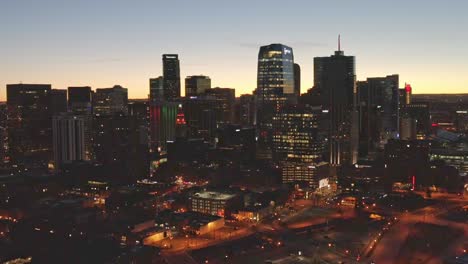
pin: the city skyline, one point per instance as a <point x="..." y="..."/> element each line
<point x="100" y="45"/>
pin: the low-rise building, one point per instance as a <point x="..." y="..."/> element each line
<point x="214" y="203"/>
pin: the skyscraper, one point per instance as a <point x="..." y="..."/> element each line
<point x="68" y="138"/>
<point x="110" y="100"/>
<point x="138" y="137"/>
<point x="275" y="88"/>
<point x="58" y="101"/>
<point x="171" y="75"/>
<point x="297" y="144"/>
<point x="224" y="104"/>
<point x="378" y="109"/>
<point x="196" y="85"/>
<point x="162" y="124"/>
<point x="29" y="123"/>
<point x="80" y="100"/>
<point x="3" y="135"/>
<point x="297" y="80"/>
<point x="245" y="110"/>
<point x="156" y="89"/>
<point x="335" y="77"/>
<point x="80" y="103"/>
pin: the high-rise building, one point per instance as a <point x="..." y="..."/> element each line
<point x="138" y="137"/>
<point x="110" y="100"/>
<point x="245" y="110"/>
<point x="405" y="95"/>
<point x="196" y="85"/>
<point x="3" y="135"/>
<point x="58" y="101"/>
<point x="181" y="124"/>
<point x="224" y="104"/>
<point x="275" y="88"/>
<point x="335" y="77"/>
<point x="200" y="115"/>
<point x="68" y="138"/>
<point x="111" y="142"/>
<point x="298" y="145"/>
<point x="171" y="75"/>
<point x="162" y="124"/>
<point x="419" y="113"/>
<point x="156" y="89"/>
<point x="378" y="109"/>
<point x="80" y="100"/>
<point x="297" y="80"/>
<point x="29" y="124"/>
<point x="296" y="135"/>
<point x="415" y="118"/>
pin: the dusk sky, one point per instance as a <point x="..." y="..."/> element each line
<point x="105" y="42"/>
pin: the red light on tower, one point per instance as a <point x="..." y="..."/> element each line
<point x="180" y="118"/>
<point x="408" y="88"/>
<point x="413" y="182"/>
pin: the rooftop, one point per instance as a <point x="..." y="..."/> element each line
<point x="214" y="195"/>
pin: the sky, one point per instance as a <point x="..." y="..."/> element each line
<point x="101" y="43"/>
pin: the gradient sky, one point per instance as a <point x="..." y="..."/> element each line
<point x="105" y="42"/>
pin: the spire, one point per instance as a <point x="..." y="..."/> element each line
<point x="339" y="42"/>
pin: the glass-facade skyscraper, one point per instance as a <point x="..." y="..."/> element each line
<point x="335" y="77"/>
<point x="378" y="108"/>
<point x="275" y="86"/>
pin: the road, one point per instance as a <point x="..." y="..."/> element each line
<point x="388" y="249"/>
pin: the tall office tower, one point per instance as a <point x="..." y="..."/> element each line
<point x="296" y="135"/>
<point x="171" y="75"/>
<point x="58" y="101"/>
<point x="162" y="125"/>
<point x="313" y="98"/>
<point x="156" y="89"/>
<point x="80" y="100"/>
<point x="378" y="109"/>
<point x="297" y="144"/>
<point x="200" y="115"/>
<point x="275" y="88"/>
<point x="419" y="113"/>
<point x="196" y="85"/>
<point x="245" y="110"/>
<point x="415" y="119"/>
<point x="3" y="135"/>
<point x="335" y="77"/>
<point x="29" y="124"/>
<point x="138" y="137"/>
<point x="405" y="95"/>
<point x="110" y="100"/>
<point x="110" y="142"/>
<point x="407" y="128"/>
<point x="68" y="132"/>
<point x="181" y="124"/>
<point x="297" y="80"/>
<point x="224" y="100"/>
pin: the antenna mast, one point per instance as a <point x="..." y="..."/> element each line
<point x="339" y="42"/>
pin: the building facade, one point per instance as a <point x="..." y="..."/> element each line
<point x="108" y="101"/>
<point x="196" y="85"/>
<point x="335" y="77"/>
<point x="171" y="76"/>
<point x="68" y="138"/>
<point x="275" y="89"/>
<point x="378" y="111"/>
<point x="29" y="124"/>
